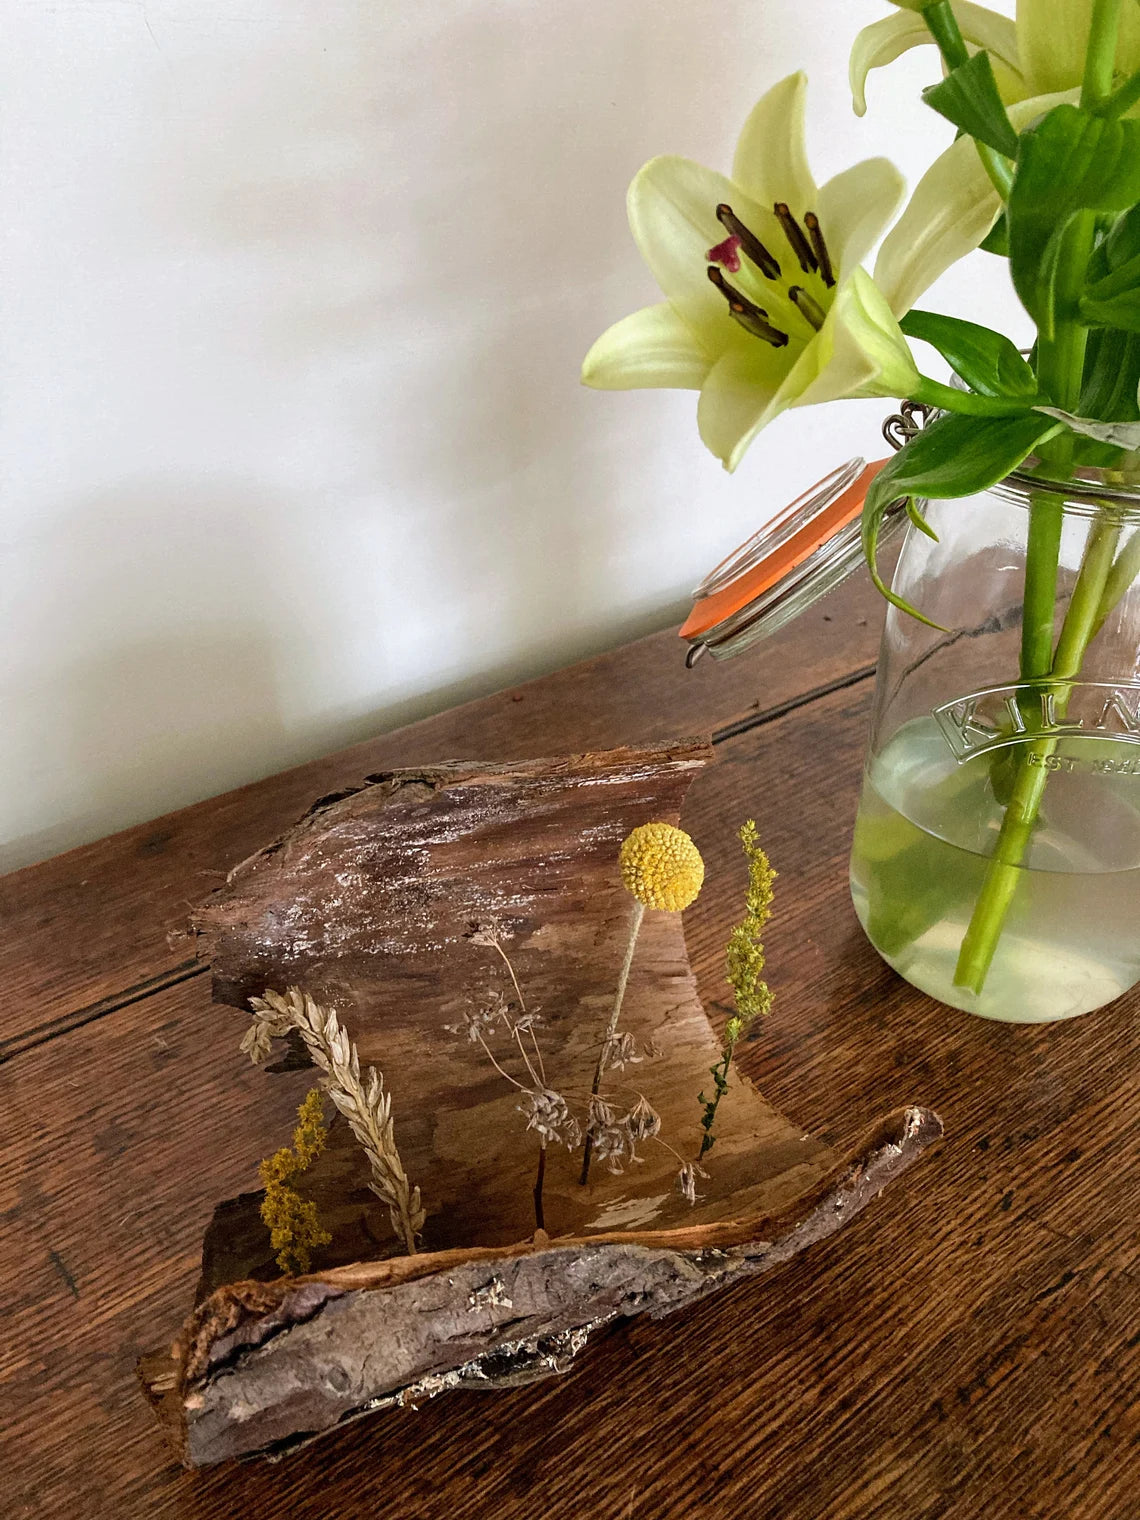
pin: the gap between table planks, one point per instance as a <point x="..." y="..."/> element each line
<point x="968" y="1347"/>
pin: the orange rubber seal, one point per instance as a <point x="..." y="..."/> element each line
<point x="714" y="609"/>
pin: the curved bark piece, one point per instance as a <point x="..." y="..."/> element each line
<point x="368" y="904"/>
<point x="315" y="1352"/>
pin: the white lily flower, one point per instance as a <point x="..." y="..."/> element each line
<point x="1040" y="53"/>
<point x="767" y="306"/>
<point x="953" y="207"/>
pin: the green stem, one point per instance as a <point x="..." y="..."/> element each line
<point x="943" y="26"/>
<point x="1121" y="100"/>
<point x="1061" y="360"/>
<point x="1124" y="571"/>
<point x="1042" y="556"/>
<point x="1003" y="874"/>
<point x="949" y="399"/>
<point x="1100" y="53"/>
<point x="1060" y="369"/>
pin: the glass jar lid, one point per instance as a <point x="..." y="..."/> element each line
<point x="813" y="545"/>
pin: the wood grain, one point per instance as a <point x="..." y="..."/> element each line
<point x="968" y="1348"/>
<point x="96" y="928"/>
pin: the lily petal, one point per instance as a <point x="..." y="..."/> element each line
<point x="884" y="41"/>
<point x="672" y="213"/>
<point x="953" y="207"/>
<point x="862" y="350"/>
<point x="771" y="160"/>
<point x="738" y="400"/>
<point x="652" y="347"/>
<point x="855" y="206"/>
<point x="1052" y="37"/>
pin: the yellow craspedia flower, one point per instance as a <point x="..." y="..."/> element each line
<point x="661" y="866"/>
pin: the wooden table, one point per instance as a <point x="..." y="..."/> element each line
<point x="967" y="1348"/>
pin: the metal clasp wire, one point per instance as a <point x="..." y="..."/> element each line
<point x="903" y="425"/>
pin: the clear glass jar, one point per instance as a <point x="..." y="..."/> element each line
<point x="996" y="861"/>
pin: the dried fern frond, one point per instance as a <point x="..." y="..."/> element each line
<point x="362" y="1100"/>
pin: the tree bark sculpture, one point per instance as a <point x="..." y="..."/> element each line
<point x="370" y="905"/>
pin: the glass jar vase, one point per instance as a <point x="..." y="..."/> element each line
<point x="996" y="860"/>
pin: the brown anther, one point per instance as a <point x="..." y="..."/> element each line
<point x="749" y="242"/>
<point x="751" y="317"/>
<point x="795" y="236"/>
<point x="811" y="310"/>
<point x="819" y="248"/>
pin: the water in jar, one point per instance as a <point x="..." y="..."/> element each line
<point x="926" y="828"/>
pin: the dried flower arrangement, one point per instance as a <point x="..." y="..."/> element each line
<point x="362" y="1101"/>
<point x="662" y="869"/>
<point x="494" y="902"/>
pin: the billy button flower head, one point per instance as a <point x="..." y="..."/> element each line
<point x="767" y="305"/>
<point x="661" y="868"/>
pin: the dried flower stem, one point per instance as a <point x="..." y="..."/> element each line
<point x="493" y="940"/>
<point x="489" y="936"/>
<point x="362" y="1101"/>
<point x="611" y="1028"/>
<point x="744" y="964"/>
<point x="539" y="1212"/>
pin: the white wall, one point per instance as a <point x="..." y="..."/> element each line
<point x="294" y="295"/>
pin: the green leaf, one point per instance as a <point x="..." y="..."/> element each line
<point x="1070" y="161"/>
<point x="1121" y="435"/>
<point x="987" y="361"/>
<point x="969" y="97"/>
<point x="1122" y="245"/>
<point x="1122" y="311"/>
<point x="953" y="456"/>
<point x="918" y="520"/>
<point x="1112" y="376"/>
<point x="996" y="239"/>
<point x="1112" y="298"/>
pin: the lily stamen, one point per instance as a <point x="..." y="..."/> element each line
<point x="751" y="244"/>
<point x="752" y="318"/>
<point x="811" y="310"/>
<point x="819" y="248"/>
<point x="795" y="236"/>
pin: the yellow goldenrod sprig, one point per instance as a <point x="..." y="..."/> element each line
<point x="292" y="1221"/>
<point x="661" y="868"/>
<point x="744" y="966"/>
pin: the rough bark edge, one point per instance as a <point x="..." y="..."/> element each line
<point x="242" y="1316"/>
<point x="691" y="752"/>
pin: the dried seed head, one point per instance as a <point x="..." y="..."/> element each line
<point x="548" y="1114"/>
<point x="643" y="1121"/>
<point x="687" y="1180"/>
<point x="661" y="866"/>
<point x="600" y="1114"/>
<point x="484" y="934"/>
<point x="621" y="1052"/>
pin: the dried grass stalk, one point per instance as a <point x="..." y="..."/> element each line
<point x="362" y="1100"/>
